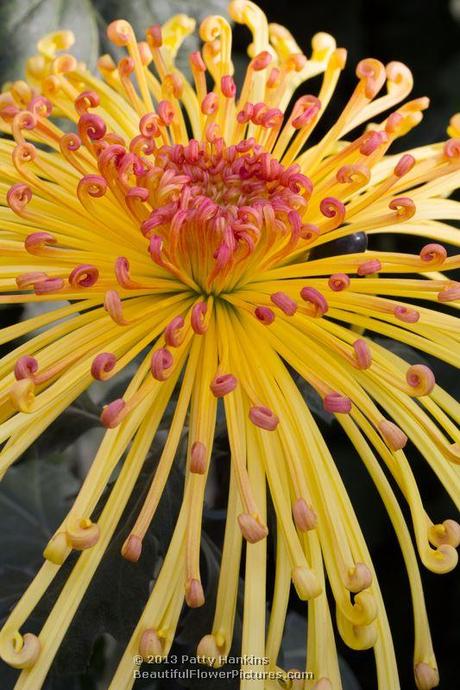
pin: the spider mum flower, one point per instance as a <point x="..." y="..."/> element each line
<point x="194" y="220"/>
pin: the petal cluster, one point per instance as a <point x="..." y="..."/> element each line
<point x="209" y="235"/>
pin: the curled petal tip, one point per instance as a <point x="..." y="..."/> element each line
<point x="263" y="417"/>
<point x="120" y="32"/>
<point x="336" y="403"/>
<point x="22" y="395"/>
<point x="162" y="361"/>
<point x="359" y="174"/>
<point x="261" y="61"/>
<point x="304" y="516"/>
<point x="450" y="293"/>
<point x="154" y="36"/>
<point x="173" y="332"/>
<point x="316" y="299"/>
<point x="363" y="356"/>
<point x="406" y="314"/>
<point x="166" y="112"/>
<point x="265" y="315"/>
<point x="448" y="532"/>
<point x="194" y="594"/>
<point x="149" y="125"/>
<point x="306" y="583"/>
<point x="57" y="549"/>
<point x="93" y="186"/>
<point x="369" y="267"/>
<point x="27" y="280"/>
<point x="37" y="241"/>
<point x="228" y="86"/>
<point x="196" y="61"/>
<point x="102" y="365"/>
<point x="222" y="384"/>
<point x="372" y="74"/>
<point x="91" y="127"/>
<point x="55" y="41"/>
<point x="252" y="530"/>
<point x="452" y="149"/>
<point x="421" y="379"/>
<point x="21" y="651"/>
<point x="208" y="650"/>
<point x="150" y="644"/>
<point x="404" y="207"/>
<point x="371" y="142"/>
<point x="25" y="367"/>
<point x="309" y="232"/>
<point x="394" y="437"/>
<point x="82" y="533"/>
<point x="358" y="578"/>
<point x="112" y="413"/>
<point x="433" y="253"/>
<point x="83" y="276"/>
<point x="122" y="272"/>
<point x="198" y="459"/>
<point x="426" y="677"/>
<point x="70" y="142"/>
<point x="132" y="548"/>
<point x="441" y="560"/>
<point x="404" y="165"/>
<point x="198" y="318"/>
<point x="333" y="208"/>
<point x="85" y="100"/>
<point x="364" y="608"/>
<point x="48" y="285"/>
<point x="338" y="282"/>
<point x="284" y="302"/>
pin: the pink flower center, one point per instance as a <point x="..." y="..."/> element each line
<point x="206" y="206"/>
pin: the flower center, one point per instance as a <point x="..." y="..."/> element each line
<point x="213" y="211"/>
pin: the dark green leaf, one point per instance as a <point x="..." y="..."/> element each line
<point x="79" y="417"/>
<point x="34" y="497"/>
<point x="22" y="24"/>
<point x="144" y="13"/>
<point x="12" y="581"/>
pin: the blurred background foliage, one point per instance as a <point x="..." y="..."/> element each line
<point x="38" y="491"/>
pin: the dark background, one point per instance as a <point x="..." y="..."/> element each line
<point x="426" y="36"/>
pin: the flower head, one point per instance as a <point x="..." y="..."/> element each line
<point x="193" y="223"/>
